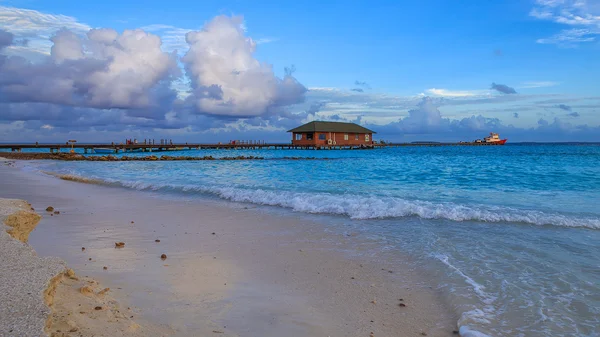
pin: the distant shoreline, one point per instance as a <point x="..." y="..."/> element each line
<point x="80" y="157"/>
<point x="224" y="146"/>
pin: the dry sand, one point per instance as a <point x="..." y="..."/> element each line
<point x="82" y="307"/>
<point x="41" y="296"/>
<point x="24" y="277"/>
<point x="232" y="269"/>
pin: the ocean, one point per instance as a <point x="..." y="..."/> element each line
<point x="509" y="236"/>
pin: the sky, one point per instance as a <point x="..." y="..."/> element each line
<point x="214" y="71"/>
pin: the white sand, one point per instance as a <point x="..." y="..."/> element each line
<point x="24" y="277"/>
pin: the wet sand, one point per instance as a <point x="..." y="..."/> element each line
<point x="231" y="269"/>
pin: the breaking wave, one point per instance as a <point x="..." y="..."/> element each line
<point x="361" y="207"/>
<point x="79" y="179"/>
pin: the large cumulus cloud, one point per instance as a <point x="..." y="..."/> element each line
<point x="426" y="122"/>
<point x="103" y="70"/>
<point x="227" y="80"/>
<point x="426" y="119"/>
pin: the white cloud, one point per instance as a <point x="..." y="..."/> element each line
<point x="538" y="84"/>
<point x="583" y="16"/>
<point x="36" y="27"/>
<point x="103" y="70"/>
<point x="225" y="77"/>
<point x="570" y="37"/>
<point x="26" y="22"/>
<point x="456" y="93"/>
<point x="173" y="38"/>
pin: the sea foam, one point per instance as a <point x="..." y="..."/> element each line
<point x="362" y="207"/>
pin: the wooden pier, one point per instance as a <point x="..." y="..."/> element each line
<point x="125" y="148"/>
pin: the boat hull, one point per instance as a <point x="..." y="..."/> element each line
<point x="500" y="142"/>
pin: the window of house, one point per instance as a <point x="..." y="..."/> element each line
<point x="309" y="136"/>
<point x="321" y="136"/>
<point x="345" y="136"/>
<point x="356" y="136"/>
<point x="298" y="136"/>
<point x="366" y="138"/>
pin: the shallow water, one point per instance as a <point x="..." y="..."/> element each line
<point x="510" y="235"/>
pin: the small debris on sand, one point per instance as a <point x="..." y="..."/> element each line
<point x="423" y="334"/>
<point x="86" y="290"/>
<point x="56" y="212"/>
<point x="49" y="209"/>
<point x="455" y="332"/>
<point x="374" y="302"/>
<point x="157" y="240"/>
<point x="105" y="268"/>
<point x="163" y="257"/>
<point x="103" y="291"/>
<point x="213" y="233"/>
<point x="98" y="308"/>
<point x="401" y="305"/>
<point x="71" y="274"/>
<point x="132" y="222"/>
<point x="119" y="244"/>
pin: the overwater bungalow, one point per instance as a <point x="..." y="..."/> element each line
<point x="324" y="134"/>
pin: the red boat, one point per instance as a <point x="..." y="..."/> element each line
<point x="493" y="139"/>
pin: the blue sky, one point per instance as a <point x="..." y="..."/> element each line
<point x="412" y="70"/>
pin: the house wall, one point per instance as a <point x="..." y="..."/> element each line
<point x="337" y="137"/>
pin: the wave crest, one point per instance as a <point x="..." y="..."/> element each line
<point x="361" y="207"/>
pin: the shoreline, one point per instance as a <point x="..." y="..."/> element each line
<point x="308" y="288"/>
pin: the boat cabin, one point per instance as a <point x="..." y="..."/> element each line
<point x="493" y="137"/>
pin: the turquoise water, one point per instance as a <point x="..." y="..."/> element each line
<point x="510" y="235"/>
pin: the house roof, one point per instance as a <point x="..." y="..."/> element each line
<point x="318" y="126"/>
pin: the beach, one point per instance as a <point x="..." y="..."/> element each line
<point x="230" y="269"/>
<point x="399" y="241"/>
